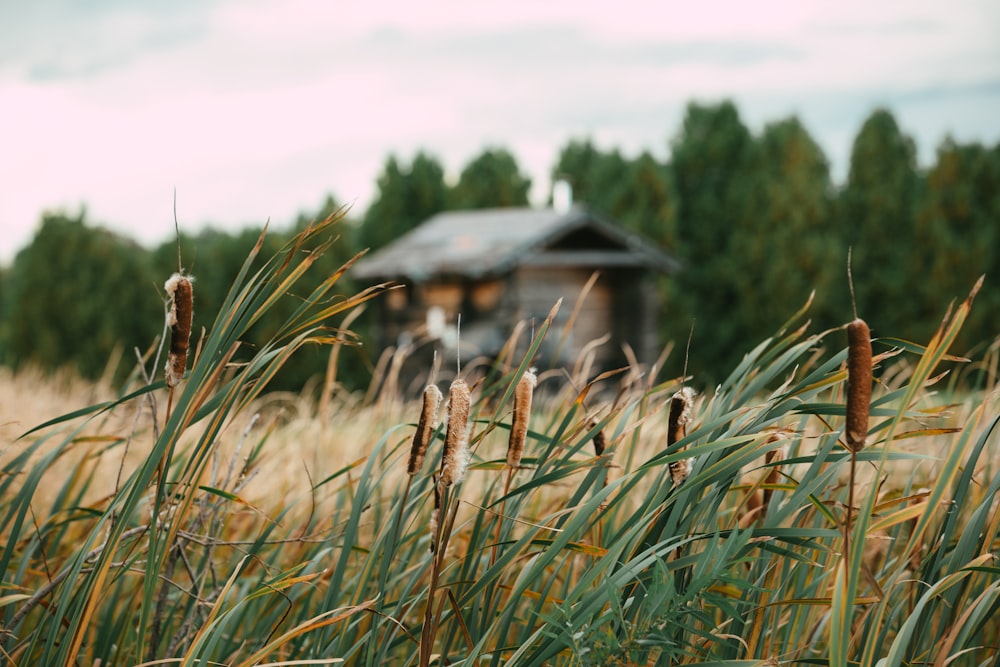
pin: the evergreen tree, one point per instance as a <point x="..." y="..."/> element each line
<point x="406" y="197"/>
<point x="492" y="179"/>
<point x="959" y="235"/>
<point x="790" y="248"/>
<point x="877" y="220"/>
<point x="593" y="175"/>
<point x="644" y="201"/>
<point x="715" y="166"/>
<point x="78" y="297"/>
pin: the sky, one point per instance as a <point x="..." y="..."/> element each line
<point x="258" y="109"/>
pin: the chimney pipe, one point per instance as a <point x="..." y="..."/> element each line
<point x="562" y="196"/>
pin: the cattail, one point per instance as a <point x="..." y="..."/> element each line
<point x="599" y="440"/>
<point x="680" y="416"/>
<point x="522" y="413"/>
<point x="859" y="383"/>
<point x="455" y="458"/>
<point x="178" y="288"/>
<point x="425" y="429"/>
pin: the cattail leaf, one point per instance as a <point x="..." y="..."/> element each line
<point x="901" y="643"/>
<point x="311" y="625"/>
<point x="916" y="348"/>
<point x="12" y="598"/>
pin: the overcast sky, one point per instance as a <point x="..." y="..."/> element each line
<point x="256" y="109"/>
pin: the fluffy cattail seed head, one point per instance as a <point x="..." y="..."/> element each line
<point x="859" y="384"/>
<point x="425" y="429"/>
<point x="181" y="294"/>
<point x="522" y="413"/>
<point x="681" y="404"/>
<point x="455" y="458"/>
<point x="681" y="408"/>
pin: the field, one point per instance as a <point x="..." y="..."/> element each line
<point x="213" y="523"/>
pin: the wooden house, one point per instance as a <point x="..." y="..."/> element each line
<point x="497" y="267"/>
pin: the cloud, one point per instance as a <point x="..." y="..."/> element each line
<point x="57" y="40"/>
<point x="258" y="108"/>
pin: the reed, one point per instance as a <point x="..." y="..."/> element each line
<point x="519" y="421"/>
<point x="426" y="426"/>
<point x="180" y="291"/>
<point x="455" y="458"/>
<point x="680" y="414"/>
<point x="859" y="384"/>
<point x="309" y="548"/>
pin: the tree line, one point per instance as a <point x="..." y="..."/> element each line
<point x="755" y="219"/>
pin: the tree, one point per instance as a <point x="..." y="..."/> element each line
<point x="957" y="227"/>
<point x="492" y="179"/>
<point x="594" y="175"/>
<point x="78" y="297"/>
<point x="715" y="167"/>
<point x="790" y="246"/>
<point x="406" y="197"/>
<point x="644" y="200"/>
<point x="877" y="220"/>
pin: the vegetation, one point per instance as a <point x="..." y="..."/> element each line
<point x="635" y="524"/>
<point x="755" y="219"/>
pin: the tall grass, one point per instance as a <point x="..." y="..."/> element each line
<point x="585" y="553"/>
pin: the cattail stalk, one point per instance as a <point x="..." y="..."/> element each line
<point x="522" y="413"/>
<point x="181" y="293"/>
<point x="454" y="461"/>
<point x="859" y="384"/>
<point x="523" y="393"/>
<point x="681" y="408"/>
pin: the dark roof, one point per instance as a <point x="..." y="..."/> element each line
<point x="481" y="243"/>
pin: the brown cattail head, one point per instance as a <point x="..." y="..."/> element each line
<point x="681" y="407"/>
<point x="425" y="429"/>
<point x="600" y="441"/>
<point x="522" y="413"/>
<point x="455" y="458"/>
<point x="181" y="293"/>
<point x="859" y="384"/>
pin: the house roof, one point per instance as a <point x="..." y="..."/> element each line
<point x="489" y="242"/>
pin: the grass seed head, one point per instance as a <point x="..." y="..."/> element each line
<point x="859" y="384"/>
<point x="455" y="458"/>
<point x="425" y="429"/>
<point x="522" y="413"/>
<point x="181" y="293"/>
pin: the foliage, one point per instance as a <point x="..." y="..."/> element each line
<point x="716" y="167"/>
<point x="78" y="296"/>
<point x="492" y="179"/>
<point x="960" y="239"/>
<point x="788" y="248"/>
<point x="579" y="558"/>
<point x="877" y="220"/>
<point x="406" y="197"/>
<point x="752" y="216"/>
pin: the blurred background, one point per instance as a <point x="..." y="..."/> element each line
<point x="755" y="142"/>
